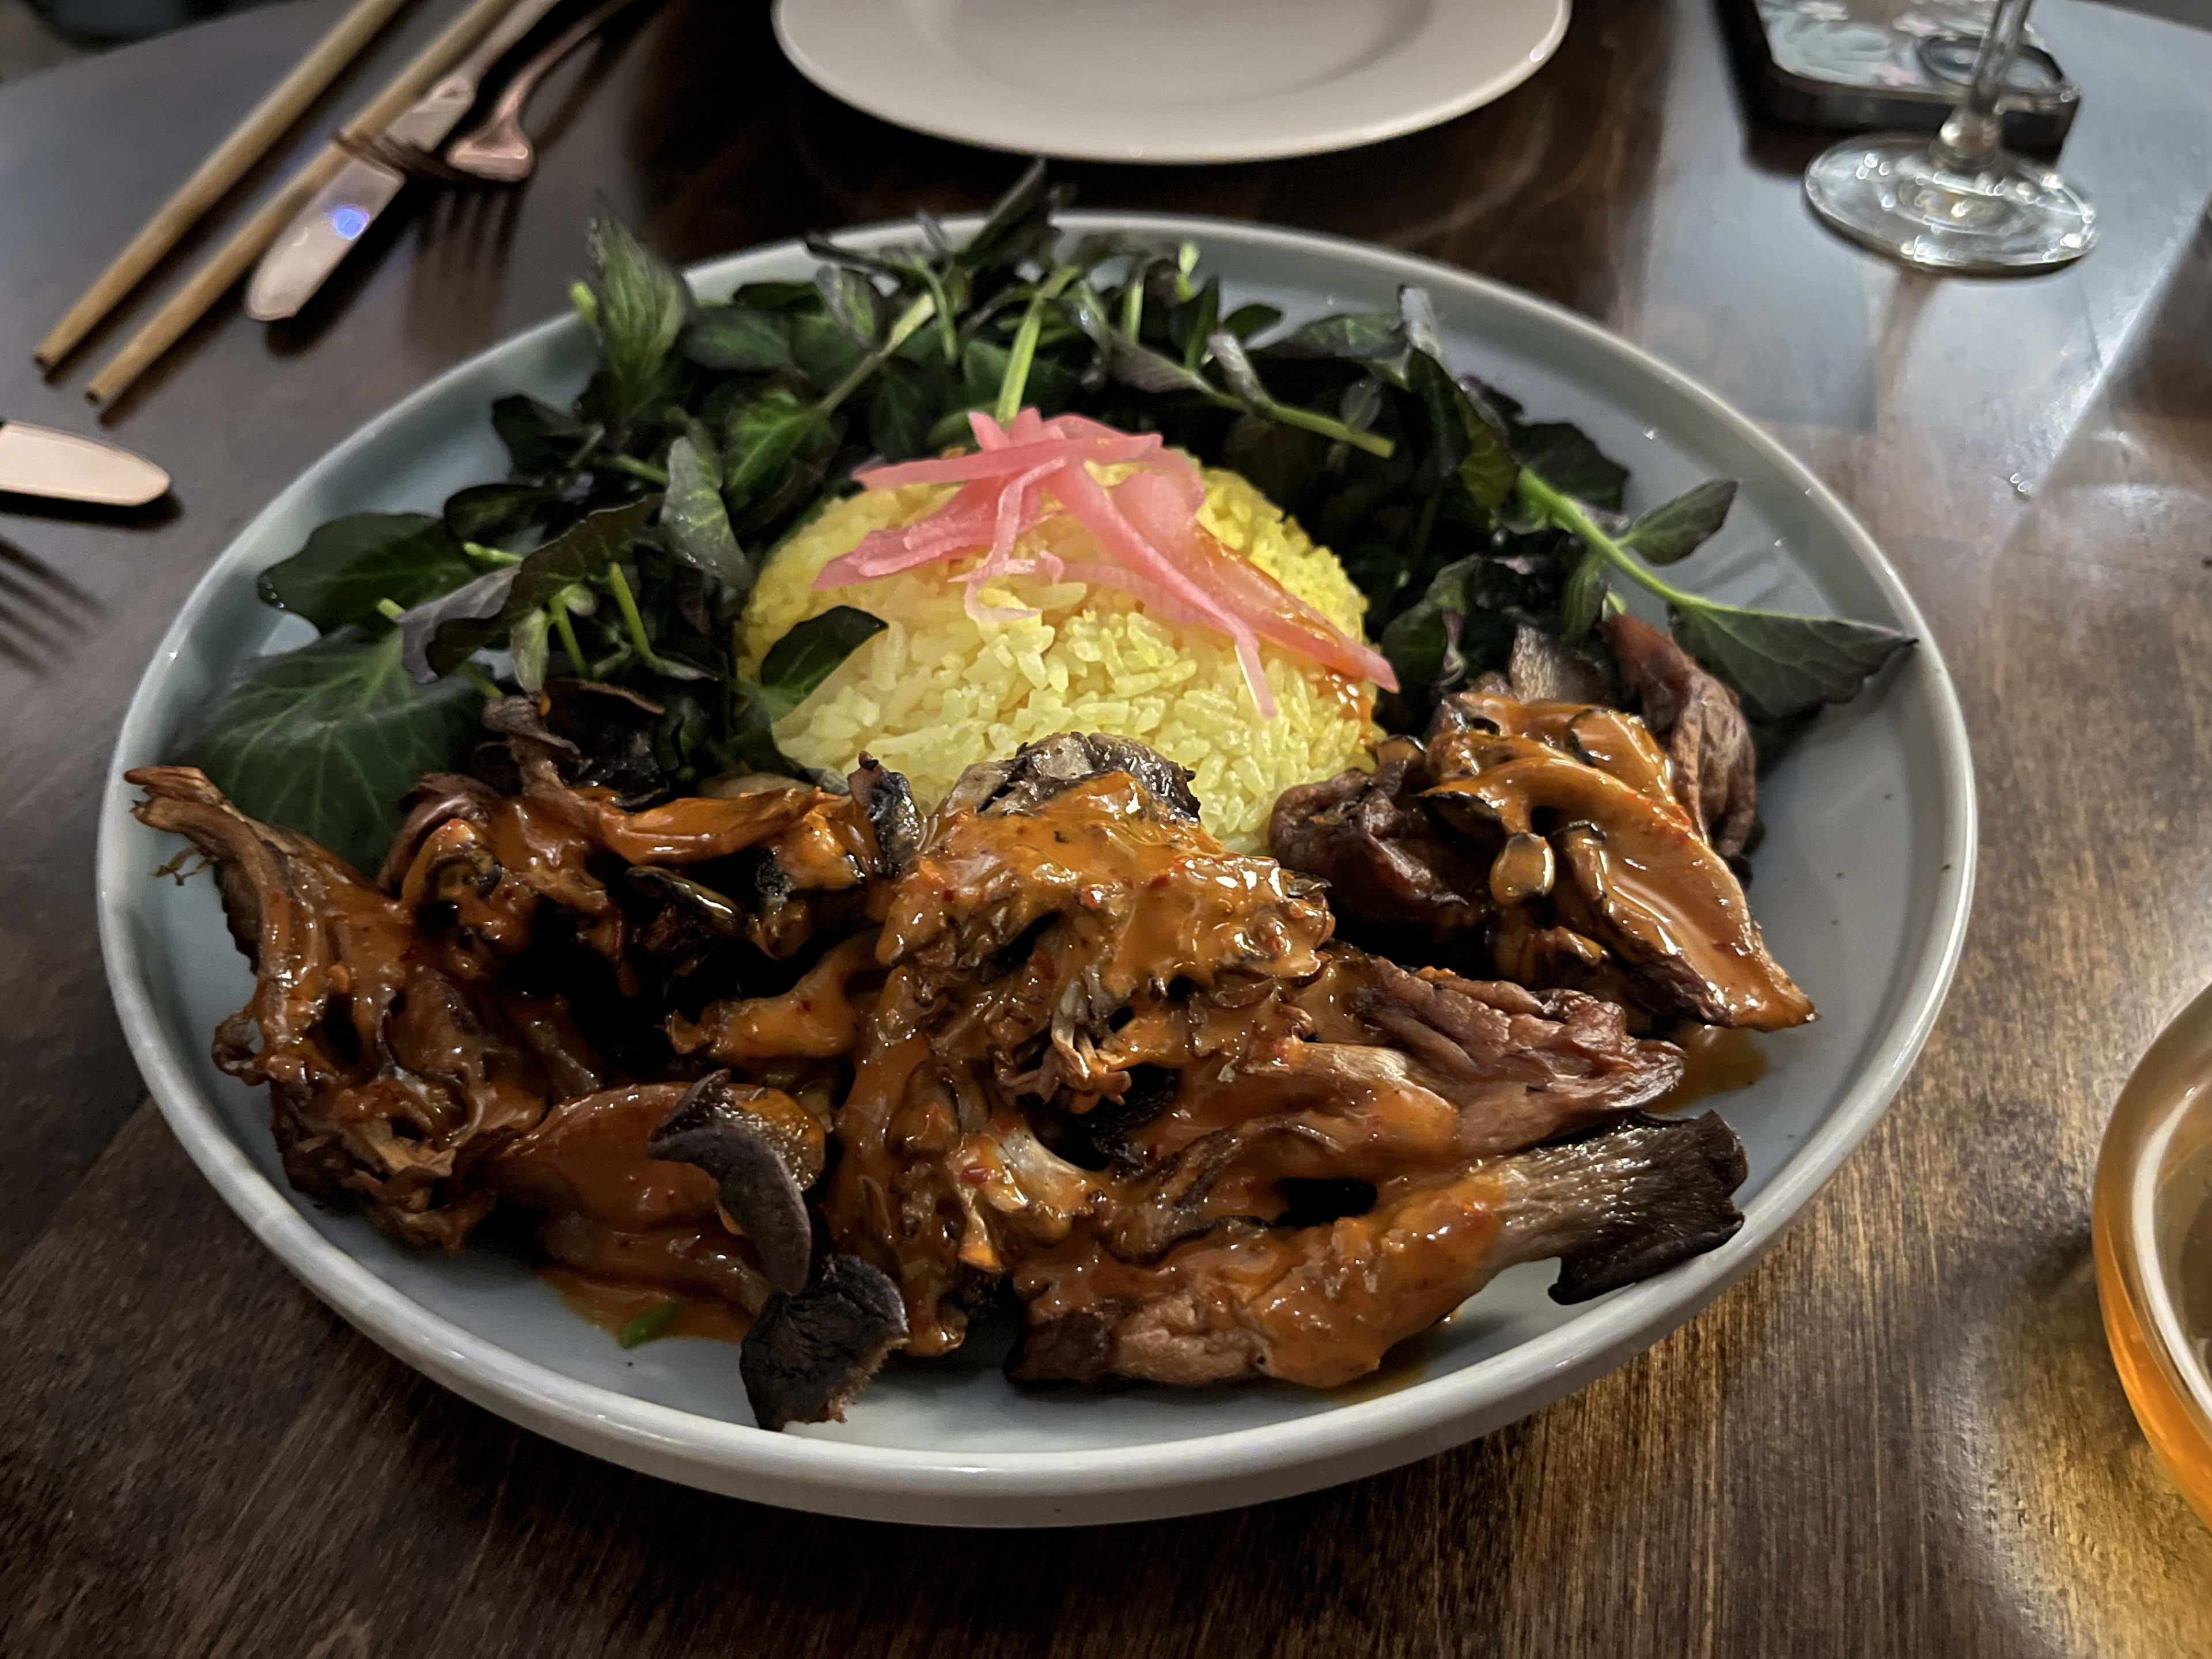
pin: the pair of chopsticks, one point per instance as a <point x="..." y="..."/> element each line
<point x="247" y="143"/>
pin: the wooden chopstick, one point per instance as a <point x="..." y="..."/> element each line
<point x="230" y="262"/>
<point x="248" y="141"/>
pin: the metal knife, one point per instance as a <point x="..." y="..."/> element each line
<point x="37" y="461"/>
<point x="324" y="231"/>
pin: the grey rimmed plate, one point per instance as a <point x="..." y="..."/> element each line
<point x="1168" y="81"/>
<point x="1862" y="886"/>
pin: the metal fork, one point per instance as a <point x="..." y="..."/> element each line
<point x="438" y="110"/>
<point x="413" y="160"/>
<point x="498" y="149"/>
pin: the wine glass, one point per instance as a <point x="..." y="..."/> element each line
<point x="1961" y="203"/>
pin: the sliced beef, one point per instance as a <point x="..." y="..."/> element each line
<point x="1543" y="669"/>
<point x="1408" y="1074"/>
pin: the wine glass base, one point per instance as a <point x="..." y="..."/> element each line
<point x="1888" y="192"/>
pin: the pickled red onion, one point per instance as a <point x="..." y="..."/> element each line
<point x="1147" y="525"/>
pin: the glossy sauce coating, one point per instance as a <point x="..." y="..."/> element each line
<point x="1637" y="872"/>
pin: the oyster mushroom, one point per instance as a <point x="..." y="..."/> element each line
<point x="808" y="1354"/>
<point x="1042" y="769"/>
<point x="1642" y="879"/>
<point x="764" y="1150"/>
<point x="1715" y="771"/>
<point x="888" y="799"/>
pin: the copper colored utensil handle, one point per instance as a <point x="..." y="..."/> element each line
<point x="498" y="149"/>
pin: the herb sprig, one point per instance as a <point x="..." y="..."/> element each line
<point x="634" y="524"/>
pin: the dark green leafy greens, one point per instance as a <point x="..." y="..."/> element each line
<point x="639" y="306"/>
<point x="1676" y="529"/>
<point x="621" y="547"/>
<point x="1782" y="666"/>
<point x="326" y="739"/>
<point x="351" y="565"/>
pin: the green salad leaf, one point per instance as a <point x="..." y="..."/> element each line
<point x="1566" y="459"/>
<point x="541" y="439"/>
<point x="693" y="516"/>
<point x="351" y="566"/>
<point x="1583" y="599"/>
<point x="446" y="633"/>
<point x="650" y="1325"/>
<point x="621" y="547"/>
<point x="797" y="664"/>
<point x="791" y="673"/>
<point x="494" y="512"/>
<point x="643" y="308"/>
<point x="1782" y="666"/>
<point x="1469" y="441"/>
<point x="1676" y="529"/>
<point x="328" y="739"/>
<point x="766" y="432"/>
<point x="1361" y="335"/>
<point x="739" y="338"/>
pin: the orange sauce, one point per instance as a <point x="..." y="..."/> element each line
<point x="1717" y="1060"/>
<point x="1403" y="1366"/>
<point x="611" y="1305"/>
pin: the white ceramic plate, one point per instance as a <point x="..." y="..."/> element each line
<point x="1863" y="885"/>
<point x="1169" y="80"/>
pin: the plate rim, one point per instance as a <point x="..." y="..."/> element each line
<point x="810" y="1472"/>
<point x="1324" y="139"/>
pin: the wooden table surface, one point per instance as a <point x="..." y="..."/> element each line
<point x="1901" y="1434"/>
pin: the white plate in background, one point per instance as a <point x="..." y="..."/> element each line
<point x="1862" y="886"/>
<point x="1169" y="80"/>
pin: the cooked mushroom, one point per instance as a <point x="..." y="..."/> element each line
<point x="611" y="728"/>
<point x="1643" y="879"/>
<point x="1522" y="869"/>
<point x="888" y="799"/>
<point x="1543" y="669"/>
<point x="808" y="1354"/>
<point x="820" y="1017"/>
<point x="711" y="910"/>
<point x="764" y="1150"/>
<point x="1322" y="1306"/>
<point x="1670" y="1194"/>
<point x="1040" y="770"/>
<point x="1701" y="723"/>
<point x="1396" y="878"/>
<point x="437" y="798"/>
<point x="1069" y="1043"/>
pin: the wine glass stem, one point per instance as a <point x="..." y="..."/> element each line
<point x="1974" y="135"/>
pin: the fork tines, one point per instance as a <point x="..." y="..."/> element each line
<point x="410" y="159"/>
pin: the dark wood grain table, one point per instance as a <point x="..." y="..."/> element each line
<point x="1901" y="1434"/>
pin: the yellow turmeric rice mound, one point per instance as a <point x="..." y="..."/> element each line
<point x="937" y="691"/>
